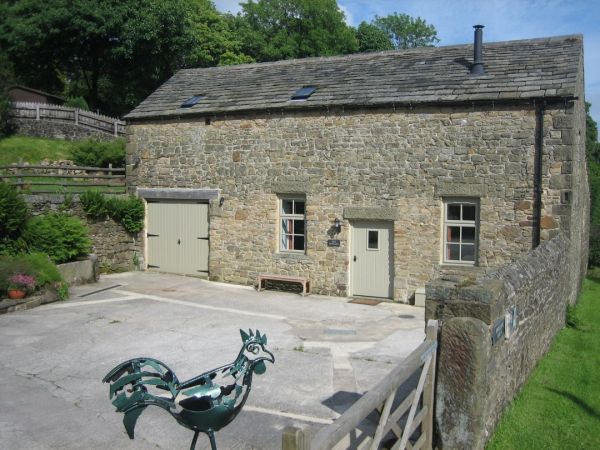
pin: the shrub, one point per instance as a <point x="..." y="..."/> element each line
<point x="77" y="102"/>
<point x="594" y="255"/>
<point x="62" y="237"/>
<point x="13" y="215"/>
<point x="129" y="212"/>
<point x="94" y="153"/>
<point x="37" y="265"/>
<point x="94" y="204"/>
<point x="13" y="211"/>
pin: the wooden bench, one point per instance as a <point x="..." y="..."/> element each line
<point x="302" y="280"/>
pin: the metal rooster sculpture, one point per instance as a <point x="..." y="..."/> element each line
<point x="205" y="403"/>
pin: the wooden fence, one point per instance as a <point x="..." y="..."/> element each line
<point x="59" y="179"/>
<point x="44" y="111"/>
<point x="415" y="410"/>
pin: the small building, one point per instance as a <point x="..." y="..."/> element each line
<point x="368" y="174"/>
<point x="29" y="95"/>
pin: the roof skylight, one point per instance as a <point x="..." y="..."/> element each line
<point x="304" y="92"/>
<point x="191" y="101"/>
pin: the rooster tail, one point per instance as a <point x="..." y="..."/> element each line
<point x="130" y="419"/>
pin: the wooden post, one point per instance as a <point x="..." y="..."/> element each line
<point x="76" y="116"/>
<point x="294" y="438"/>
<point x="37" y="111"/>
<point x="116" y="128"/>
<point x="429" y="390"/>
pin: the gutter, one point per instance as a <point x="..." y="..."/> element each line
<point x="345" y="106"/>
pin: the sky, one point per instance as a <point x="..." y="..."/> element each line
<point x="503" y="19"/>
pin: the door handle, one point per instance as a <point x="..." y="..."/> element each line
<point x="354" y="258"/>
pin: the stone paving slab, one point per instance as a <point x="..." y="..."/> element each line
<point x="328" y="352"/>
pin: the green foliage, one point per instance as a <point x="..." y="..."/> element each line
<point x="59" y="235"/>
<point x="94" y="204"/>
<point x="77" y="102"/>
<point x="129" y="211"/>
<point x="271" y="30"/>
<point x="95" y="153"/>
<point x="405" y="31"/>
<point x="38" y="265"/>
<point x="13" y="215"/>
<point x="560" y="403"/>
<point x="113" y="53"/>
<point x="592" y="146"/>
<point x="62" y="290"/>
<point x="372" y="38"/>
<point x="593" y="155"/>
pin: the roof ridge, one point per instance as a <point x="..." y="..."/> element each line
<point x="367" y="55"/>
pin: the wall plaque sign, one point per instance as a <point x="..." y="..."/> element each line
<point x="498" y="330"/>
<point x="333" y="242"/>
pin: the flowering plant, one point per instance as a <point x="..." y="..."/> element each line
<point x="22" y="282"/>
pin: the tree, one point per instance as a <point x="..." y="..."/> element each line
<point x="114" y="52"/>
<point x="7" y="78"/>
<point x="593" y="154"/>
<point x="271" y="30"/>
<point x="407" y="32"/>
<point x="592" y="147"/>
<point x="372" y="38"/>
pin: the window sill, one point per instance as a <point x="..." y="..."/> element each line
<point x="462" y="266"/>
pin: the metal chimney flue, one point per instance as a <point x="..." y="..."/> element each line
<point x="477" y="68"/>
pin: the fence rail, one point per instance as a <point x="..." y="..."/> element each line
<point x="415" y="410"/>
<point x="57" y="179"/>
<point x="45" y="111"/>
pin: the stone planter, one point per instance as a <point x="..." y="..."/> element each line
<point x="80" y="272"/>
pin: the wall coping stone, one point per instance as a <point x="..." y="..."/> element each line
<point x="177" y="194"/>
<point x="370" y="213"/>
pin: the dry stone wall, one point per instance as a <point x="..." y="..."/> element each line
<point x="405" y="160"/>
<point x="55" y="129"/>
<point x="480" y="370"/>
<point x="115" y="248"/>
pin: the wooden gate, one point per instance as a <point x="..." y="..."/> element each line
<point x="416" y="408"/>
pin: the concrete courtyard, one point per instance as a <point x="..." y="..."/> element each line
<point x="328" y="351"/>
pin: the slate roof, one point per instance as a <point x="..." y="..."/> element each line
<point x="524" y="69"/>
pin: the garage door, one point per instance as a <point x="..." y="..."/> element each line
<point x="177" y="237"/>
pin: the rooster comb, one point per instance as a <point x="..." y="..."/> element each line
<point x="251" y="335"/>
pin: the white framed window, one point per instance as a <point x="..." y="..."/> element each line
<point x="372" y="239"/>
<point x="292" y="213"/>
<point x="461" y="223"/>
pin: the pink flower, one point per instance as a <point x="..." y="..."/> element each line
<point x="22" y="281"/>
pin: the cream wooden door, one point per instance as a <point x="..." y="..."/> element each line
<point x="371" y="258"/>
<point x="177" y="237"/>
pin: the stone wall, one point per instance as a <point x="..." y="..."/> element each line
<point x="114" y="247"/>
<point x="55" y="129"/>
<point x="405" y="160"/>
<point x="478" y="375"/>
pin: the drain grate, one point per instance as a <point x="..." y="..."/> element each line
<point x="406" y="316"/>
<point x="87" y="294"/>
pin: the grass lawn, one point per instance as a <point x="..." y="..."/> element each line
<point x="33" y="150"/>
<point x="559" y="408"/>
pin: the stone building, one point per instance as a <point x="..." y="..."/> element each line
<point x="369" y="174"/>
